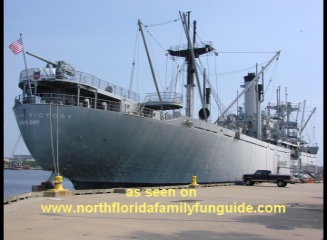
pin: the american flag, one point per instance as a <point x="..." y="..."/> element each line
<point x="17" y="46"/>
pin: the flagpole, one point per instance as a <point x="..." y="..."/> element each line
<point x="29" y="82"/>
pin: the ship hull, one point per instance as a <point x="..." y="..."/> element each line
<point x="103" y="149"/>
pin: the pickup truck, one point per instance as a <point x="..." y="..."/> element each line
<point x="266" y="176"/>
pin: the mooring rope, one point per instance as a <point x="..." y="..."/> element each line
<point x="58" y="138"/>
<point x="51" y="138"/>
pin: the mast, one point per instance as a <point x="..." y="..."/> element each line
<point x="280" y="110"/>
<point x="190" y="52"/>
<point x="190" y="76"/>
<point x="302" y="117"/>
<point x="260" y="93"/>
<point x="147" y="53"/>
<point x="258" y="105"/>
<point x="192" y="70"/>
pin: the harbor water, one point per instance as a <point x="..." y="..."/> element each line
<point x="21" y="181"/>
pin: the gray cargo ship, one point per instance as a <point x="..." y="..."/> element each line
<point x="99" y="135"/>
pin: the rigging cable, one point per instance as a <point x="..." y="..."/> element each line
<point x="15" y="146"/>
<point x="175" y="78"/>
<point x="273" y="76"/>
<point x="51" y="139"/>
<point x="246" y="52"/>
<point x="138" y="65"/>
<point x="227" y="73"/>
<point x="5" y="126"/>
<point x="218" y="101"/>
<point x="166" y="72"/>
<point x="241" y="70"/>
<point x="133" y="64"/>
<point x="58" y="138"/>
<point x="216" y="72"/>
<point x="149" y="34"/>
<point x="158" y="24"/>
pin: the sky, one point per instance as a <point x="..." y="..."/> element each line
<point x="101" y="38"/>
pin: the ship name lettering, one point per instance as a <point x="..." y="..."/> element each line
<point x="20" y="115"/>
<point x="44" y="115"/>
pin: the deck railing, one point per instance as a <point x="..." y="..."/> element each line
<point x="87" y="102"/>
<point x="165" y="97"/>
<point x="87" y="79"/>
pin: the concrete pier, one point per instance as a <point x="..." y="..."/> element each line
<point x="218" y="212"/>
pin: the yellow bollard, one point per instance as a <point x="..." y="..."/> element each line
<point x="193" y="184"/>
<point x="58" y="183"/>
<point x="194" y="180"/>
<point x="58" y="189"/>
